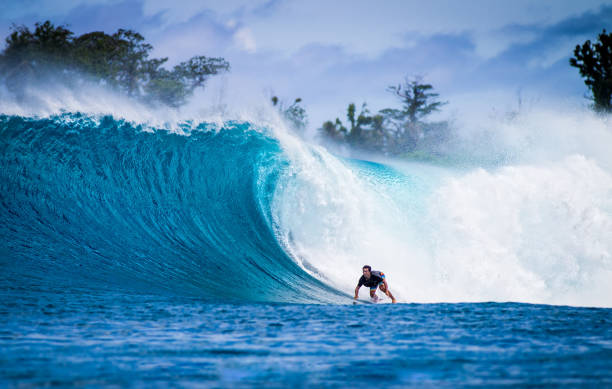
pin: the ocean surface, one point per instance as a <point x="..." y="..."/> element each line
<point x="78" y="338"/>
<point x="225" y="254"/>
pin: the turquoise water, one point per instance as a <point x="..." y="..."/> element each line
<point x="101" y="203"/>
<point x="226" y="256"/>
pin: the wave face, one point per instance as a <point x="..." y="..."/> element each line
<point x="101" y="203"/>
<point x="236" y="212"/>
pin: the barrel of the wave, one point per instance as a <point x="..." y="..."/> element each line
<point x="101" y="203"/>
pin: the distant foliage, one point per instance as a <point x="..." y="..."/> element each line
<point x="417" y="101"/>
<point x="392" y="131"/>
<point x="121" y="60"/>
<point x="595" y="64"/>
<point x="365" y="131"/>
<point x="294" y="114"/>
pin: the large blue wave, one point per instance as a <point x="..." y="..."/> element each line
<point x="101" y="203"/>
<point x="236" y="212"/>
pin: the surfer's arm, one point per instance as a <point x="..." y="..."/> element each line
<point x="357" y="292"/>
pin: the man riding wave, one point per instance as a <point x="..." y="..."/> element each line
<point x="374" y="279"/>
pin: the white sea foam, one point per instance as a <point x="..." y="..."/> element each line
<point x="221" y="101"/>
<point x="537" y="228"/>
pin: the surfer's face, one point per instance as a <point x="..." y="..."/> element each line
<point x="366" y="273"/>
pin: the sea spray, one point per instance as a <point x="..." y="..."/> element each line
<point x="524" y="216"/>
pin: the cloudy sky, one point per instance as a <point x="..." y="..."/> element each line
<point x="480" y="55"/>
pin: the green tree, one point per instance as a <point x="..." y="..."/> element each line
<point x="595" y="64"/>
<point x="198" y="69"/>
<point x="368" y="132"/>
<point x="393" y="131"/>
<point x="98" y="54"/>
<point x="334" y="131"/>
<point x="133" y="67"/>
<point x="405" y="126"/>
<point x="417" y="101"/>
<point x="121" y="60"/>
<point x="365" y="131"/>
<point x="350" y="115"/>
<point x="167" y="87"/>
<point x="29" y="54"/>
<point x="295" y="114"/>
<point x="174" y="87"/>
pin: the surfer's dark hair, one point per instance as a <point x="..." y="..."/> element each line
<point x="367" y="267"/>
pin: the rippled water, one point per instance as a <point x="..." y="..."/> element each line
<point x="68" y="338"/>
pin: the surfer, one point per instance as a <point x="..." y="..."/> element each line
<point x="373" y="279"/>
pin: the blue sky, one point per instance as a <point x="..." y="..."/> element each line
<point x="479" y="55"/>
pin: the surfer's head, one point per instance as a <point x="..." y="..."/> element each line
<point x="367" y="271"/>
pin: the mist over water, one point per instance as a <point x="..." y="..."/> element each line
<point x="519" y="210"/>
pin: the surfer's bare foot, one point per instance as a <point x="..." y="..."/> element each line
<point x="393" y="301"/>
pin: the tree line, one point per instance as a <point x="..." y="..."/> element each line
<point x="392" y="131"/>
<point x="404" y="131"/>
<point x="594" y="61"/>
<point x="121" y="60"/>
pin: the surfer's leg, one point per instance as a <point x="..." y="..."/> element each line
<point x="373" y="295"/>
<point x="372" y="292"/>
<point x="386" y="291"/>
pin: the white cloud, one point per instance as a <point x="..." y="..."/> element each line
<point x="244" y="39"/>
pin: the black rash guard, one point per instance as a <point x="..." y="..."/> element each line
<point x="376" y="277"/>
